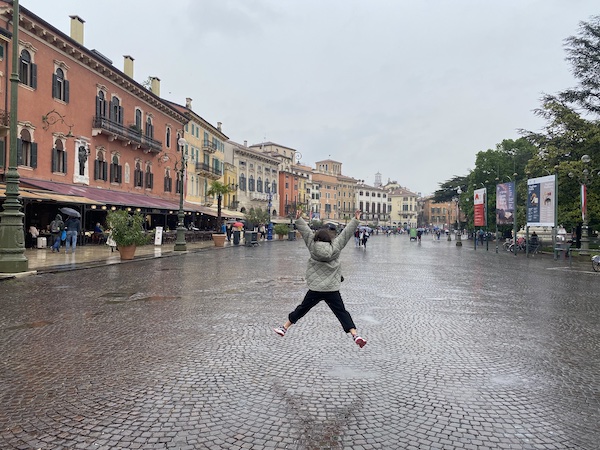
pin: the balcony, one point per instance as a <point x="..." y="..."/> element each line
<point x="128" y="135"/>
<point x="204" y="170"/>
<point x="209" y="147"/>
<point x="259" y="196"/>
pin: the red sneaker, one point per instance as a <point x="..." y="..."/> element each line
<point x="361" y="342"/>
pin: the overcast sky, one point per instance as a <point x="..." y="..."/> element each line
<point x="411" y="89"/>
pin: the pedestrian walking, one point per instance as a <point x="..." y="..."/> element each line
<point x="365" y="238"/>
<point x="56" y="228"/>
<point x="357" y="238"/>
<point x="73" y="227"/>
<point x="324" y="276"/>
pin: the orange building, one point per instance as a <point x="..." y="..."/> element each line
<point x="88" y="133"/>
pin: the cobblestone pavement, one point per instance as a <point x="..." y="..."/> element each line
<point x="466" y="350"/>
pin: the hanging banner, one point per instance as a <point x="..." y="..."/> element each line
<point x="479" y="213"/>
<point x="541" y="194"/>
<point x="505" y="203"/>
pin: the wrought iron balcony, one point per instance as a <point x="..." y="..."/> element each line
<point x="131" y="134"/>
<point x="207" y="171"/>
<point x="209" y="147"/>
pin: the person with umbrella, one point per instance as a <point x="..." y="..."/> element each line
<point x="324" y="276"/>
<point x="73" y="227"/>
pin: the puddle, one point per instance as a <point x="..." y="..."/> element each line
<point x="24" y="326"/>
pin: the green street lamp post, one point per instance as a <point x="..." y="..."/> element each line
<point x="12" y="235"/>
<point x="180" y="165"/>
<point x="584" y="178"/>
<point x="458" y="231"/>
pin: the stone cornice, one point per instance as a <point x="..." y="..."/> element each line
<point x="81" y="55"/>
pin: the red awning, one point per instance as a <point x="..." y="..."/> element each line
<point x="106" y="196"/>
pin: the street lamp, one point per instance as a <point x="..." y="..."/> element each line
<point x="180" y="165"/>
<point x="12" y="235"/>
<point x="457" y="200"/>
<point x="583" y="179"/>
<point x="270" y="224"/>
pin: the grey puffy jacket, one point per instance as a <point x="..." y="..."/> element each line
<point x="323" y="271"/>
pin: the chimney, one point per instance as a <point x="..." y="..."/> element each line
<point x="155" y="85"/>
<point x="188" y="103"/>
<point x="128" y="65"/>
<point x="77" y="29"/>
<point x="219" y="126"/>
<point x="245" y="143"/>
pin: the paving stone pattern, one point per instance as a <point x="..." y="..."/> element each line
<point x="466" y="350"/>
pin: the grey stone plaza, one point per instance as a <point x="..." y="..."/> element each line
<point x="466" y="350"/>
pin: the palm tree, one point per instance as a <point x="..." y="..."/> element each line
<point x="218" y="189"/>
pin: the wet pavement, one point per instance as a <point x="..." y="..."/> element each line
<point x="466" y="350"/>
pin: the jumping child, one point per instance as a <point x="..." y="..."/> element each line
<point x="324" y="276"/>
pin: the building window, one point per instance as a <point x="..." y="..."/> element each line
<point x="116" y="170"/>
<point x="116" y="111"/>
<point x="149" y="128"/>
<point x="138" y="176"/>
<point x="101" y="104"/>
<point x="242" y="182"/>
<point x="26" y="150"/>
<point x="138" y="120"/>
<point x="149" y="177"/>
<point x="27" y="70"/>
<point x="267" y="186"/>
<point x="60" y="86"/>
<point x="59" y="158"/>
<point x="274" y="187"/>
<point x="251" y="183"/>
<point x="100" y="168"/>
<point x="179" y="184"/>
<point x="168" y="181"/>
<point x="168" y="138"/>
<point x="259" y="185"/>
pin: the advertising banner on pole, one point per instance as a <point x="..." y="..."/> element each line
<point x="583" y="202"/>
<point x="505" y="203"/>
<point x="541" y="193"/>
<point x="479" y="213"/>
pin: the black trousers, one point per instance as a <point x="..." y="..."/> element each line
<point x="333" y="300"/>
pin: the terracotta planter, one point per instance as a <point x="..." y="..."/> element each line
<point x="219" y="239"/>
<point x="127" y="251"/>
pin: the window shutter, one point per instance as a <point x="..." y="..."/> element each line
<point x="104" y="170"/>
<point x="19" y="152"/>
<point x="98" y="107"/>
<point x="113" y="172"/>
<point x="165" y="180"/>
<point x="119" y="173"/>
<point x="34" y="76"/>
<point x="151" y="180"/>
<point x="34" y="154"/>
<point x="96" y="169"/>
<point x="2" y="153"/>
<point x="54" y="153"/>
<point x="120" y="118"/>
<point x="65" y="159"/>
<point x="54" y="86"/>
<point x="66" y="87"/>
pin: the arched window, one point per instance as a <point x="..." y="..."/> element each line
<point x="101" y="104"/>
<point x="251" y="183"/>
<point x="26" y="150"/>
<point x="59" y="158"/>
<point x="149" y="177"/>
<point x="100" y="167"/>
<point x="267" y="186"/>
<point x="138" y="120"/>
<point x="149" y="128"/>
<point x="27" y="70"/>
<point x="259" y="185"/>
<point x="60" y="86"/>
<point x="168" y="138"/>
<point x="116" y="111"/>
<point x="274" y="187"/>
<point x="138" y="175"/>
<point x="168" y="181"/>
<point x="242" y="182"/>
<point x="116" y="170"/>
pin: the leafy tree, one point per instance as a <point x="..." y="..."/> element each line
<point x="257" y="216"/>
<point x="218" y="189"/>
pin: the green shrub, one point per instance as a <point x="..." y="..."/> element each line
<point x="127" y="229"/>
<point x="281" y="229"/>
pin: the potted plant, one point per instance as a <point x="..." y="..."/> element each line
<point x="218" y="189"/>
<point x="281" y="229"/>
<point x="127" y="231"/>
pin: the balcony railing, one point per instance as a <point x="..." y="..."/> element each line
<point x="123" y="133"/>
<point x="209" y="147"/>
<point x="206" y="170"/>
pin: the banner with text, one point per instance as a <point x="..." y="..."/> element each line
<point x="479" y="209"/>
<point x="541" y="194"/>
<point x="505" y="203"/>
